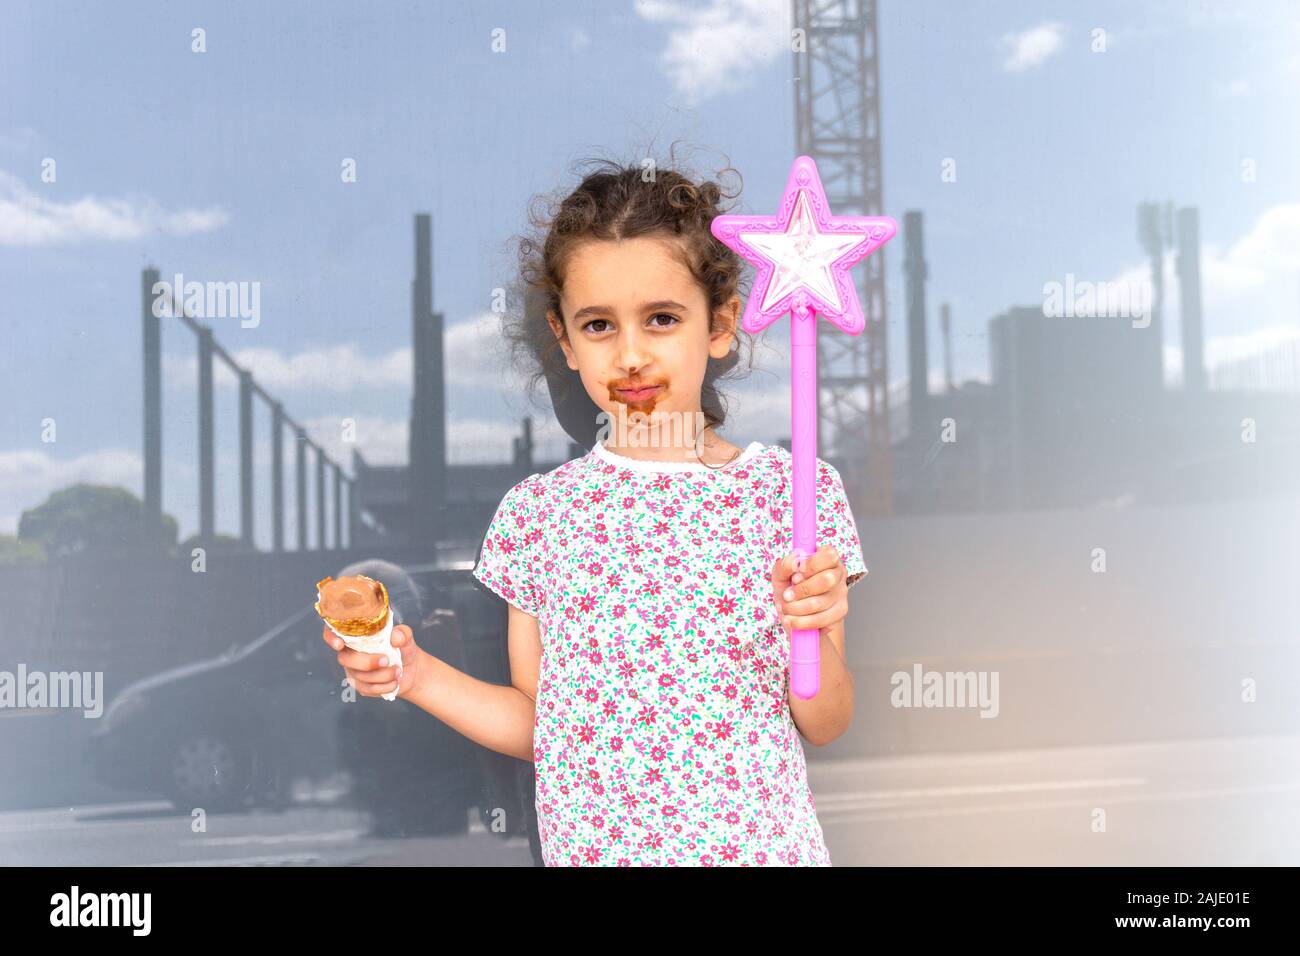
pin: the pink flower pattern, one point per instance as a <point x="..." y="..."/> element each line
<point x="663" y="733"/>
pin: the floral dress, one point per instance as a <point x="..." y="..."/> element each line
<point x="663" y="733"/>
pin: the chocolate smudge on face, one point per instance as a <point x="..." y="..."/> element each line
<point x="645" y="405"/>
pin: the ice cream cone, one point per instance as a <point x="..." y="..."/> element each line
<point x="356" y="609"/>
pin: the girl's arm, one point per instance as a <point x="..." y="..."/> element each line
<point x="827" y="714"/>
<point x="818" y="598"/>
<point x="496" y="716"/>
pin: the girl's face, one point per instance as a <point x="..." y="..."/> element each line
<point x="636" y="328"/>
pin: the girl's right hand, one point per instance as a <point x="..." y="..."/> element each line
<point x="368" y="676"/>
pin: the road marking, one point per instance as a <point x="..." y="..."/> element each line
<point x="162" y="812"/>
<point x="80" y="823"/>
<point x="273" y="838"/>
<point x="1034" y="755"/>
<point x="846" y="816"/>
<point x="840" y="800"/>
<point x="248" y="860"/>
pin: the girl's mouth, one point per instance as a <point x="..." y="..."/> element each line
<point x="639" y="394"/>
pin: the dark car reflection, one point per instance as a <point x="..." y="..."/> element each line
<point x="242" y="730"/>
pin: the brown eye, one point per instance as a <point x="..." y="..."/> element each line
<point x="666" y="315"/>
<point x="588" y="326"/>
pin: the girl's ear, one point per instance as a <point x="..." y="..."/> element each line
<point x="725" y="321"/>
<point x="558" y="328"/>
<point x="556" y="325"/>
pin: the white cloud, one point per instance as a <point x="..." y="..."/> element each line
<point x="383" y="441"/>
<point x="1030" y="48"/>
<point x="337" y="369"/>
<point x="492" y="440"/>
<point x="1229" y="348"/>
<point x="473" y="354"/>
<point x="1264" y="260"/>
<point x="1223" y="350"/>
<point x="29" y="219"/>
<point x="1267" y="257"/>
<point x="1249" y="292"/>
<point x="713" y="47"/>
<point x="28" y="476"/>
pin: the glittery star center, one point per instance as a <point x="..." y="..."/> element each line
<point x="801" y="255"/>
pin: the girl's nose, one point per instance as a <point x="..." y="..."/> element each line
<point x="631" y="351"/>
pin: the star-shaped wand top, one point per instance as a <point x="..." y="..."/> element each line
<point x="803" y="254"/>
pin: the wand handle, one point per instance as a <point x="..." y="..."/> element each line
<point x="805" y="643"/>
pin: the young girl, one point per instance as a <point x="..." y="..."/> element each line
<point x="651" y="584"/>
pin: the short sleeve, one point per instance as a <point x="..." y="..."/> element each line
<point x="835" y="524"/>
<point x="509" y="561"/>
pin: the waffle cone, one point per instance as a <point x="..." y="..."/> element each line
<point x="356" y="626"/>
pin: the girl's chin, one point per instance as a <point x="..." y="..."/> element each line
<point x="643" y="418"/>
<point x="662" y="427"/>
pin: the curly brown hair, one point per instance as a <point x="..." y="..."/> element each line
<point x="622" y="201"/>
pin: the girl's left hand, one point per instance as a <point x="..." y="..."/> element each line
<point x="817" y="593"/>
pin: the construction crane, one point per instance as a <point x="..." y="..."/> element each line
<point x="837" y="123"/>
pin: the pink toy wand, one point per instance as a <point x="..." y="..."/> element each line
<point x="803" y="255"/>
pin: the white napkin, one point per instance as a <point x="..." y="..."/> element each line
<point x="380" y="642"/>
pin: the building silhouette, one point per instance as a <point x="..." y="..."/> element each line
<point x="428" y="499"/>
<point x="1076" y="412"/>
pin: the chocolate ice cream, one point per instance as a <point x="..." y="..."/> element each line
<point x="356" y="606"/>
